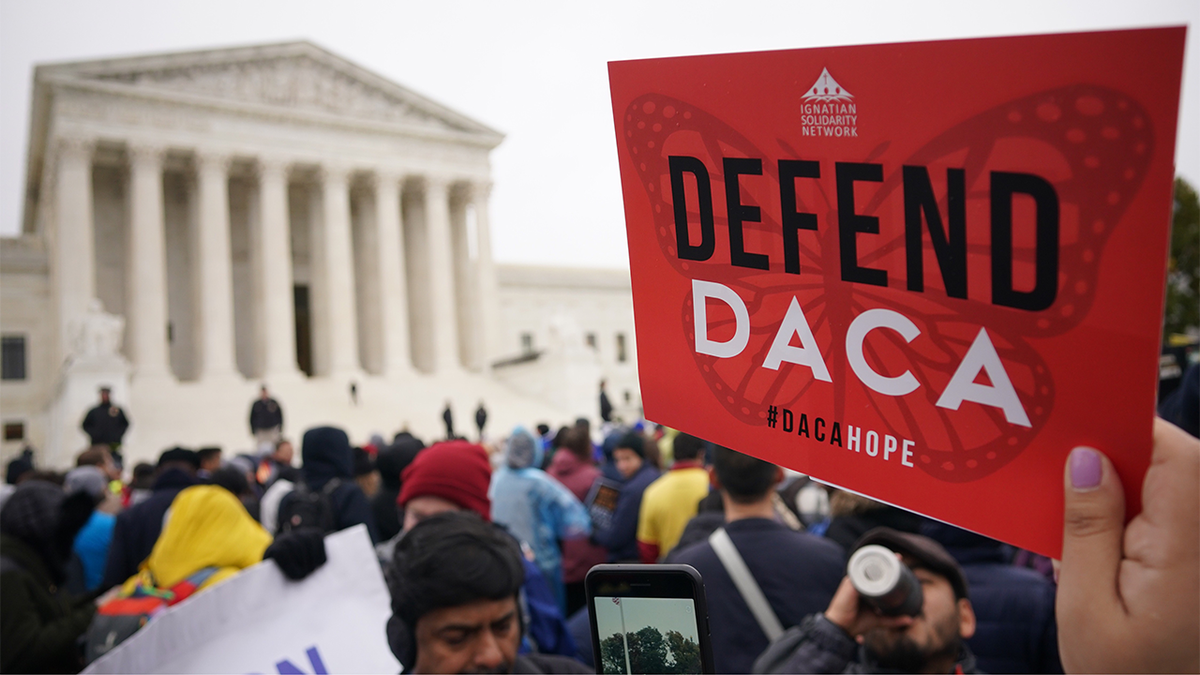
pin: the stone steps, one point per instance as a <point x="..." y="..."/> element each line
<point x="168" y="413"/>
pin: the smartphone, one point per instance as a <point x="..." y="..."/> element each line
<point x="648" y="619"/>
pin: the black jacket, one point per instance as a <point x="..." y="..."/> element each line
<point x="819" y="646"/>
<point x="797" y="572"/>
<point x="105" y="424"/>
<point x="621" y="537"/>
<point x="265" y="415"/>
<point x="39" y="621"/>
<point x="386" y="513"/>
<point x="391" y="462"/>
<point x="1015" y="630"/>
<point x="138" y="527"/>
<point x="326" y="454"/>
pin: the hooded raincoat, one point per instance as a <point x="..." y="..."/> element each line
<point x="537" y="509"/>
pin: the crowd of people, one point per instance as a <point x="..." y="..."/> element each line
<point x="485" y="546"/>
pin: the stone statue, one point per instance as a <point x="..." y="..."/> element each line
<point x="96" y="336"/>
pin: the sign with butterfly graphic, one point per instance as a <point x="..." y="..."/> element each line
<point x="922" y="272"/>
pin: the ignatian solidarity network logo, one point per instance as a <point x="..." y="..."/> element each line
<point x="828" y="109"/>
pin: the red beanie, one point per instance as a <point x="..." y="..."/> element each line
<point x="456" y="471"/>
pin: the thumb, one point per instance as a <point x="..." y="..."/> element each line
<point x="1093" y="529"/>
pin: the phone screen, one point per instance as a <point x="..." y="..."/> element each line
<point x="647" y="635"/>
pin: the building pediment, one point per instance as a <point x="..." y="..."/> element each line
<point x="297" y="77"/>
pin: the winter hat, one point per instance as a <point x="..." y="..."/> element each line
<point x="326" y="454"/>
<point x="31" y="514"/>
<point x="633" y="441"/>
<point x="47" y="519"/>
<point x="522" y="450"/>
<point x="89" y="479"/>
<point x="456" y="471"/>
<point x="180" y="455"/>
<point x="394" y="459"/>
<point x="363" y="462"/>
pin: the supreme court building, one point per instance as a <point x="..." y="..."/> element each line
<point x="198" y="223"/>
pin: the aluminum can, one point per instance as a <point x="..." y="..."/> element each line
<point x="884" y="582"/>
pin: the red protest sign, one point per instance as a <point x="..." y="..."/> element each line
<point x="923" y="272"/>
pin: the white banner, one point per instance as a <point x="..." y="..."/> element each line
<point x="259" y="622"/>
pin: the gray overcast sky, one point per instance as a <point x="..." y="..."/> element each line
<point x="533" y="70"/>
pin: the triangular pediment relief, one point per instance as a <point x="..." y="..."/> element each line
<point x="295" y="76"/>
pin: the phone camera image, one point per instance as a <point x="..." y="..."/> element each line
<point x="647" y="635"/>
<point x="648" y="619"/>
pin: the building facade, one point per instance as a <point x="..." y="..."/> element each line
<point x="198" y="223"/>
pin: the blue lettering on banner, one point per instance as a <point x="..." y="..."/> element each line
<point x="286" y="667"/>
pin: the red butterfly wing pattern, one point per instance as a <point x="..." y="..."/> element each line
<point x="1087" y="132"/>
<point x="1099" y="140"/>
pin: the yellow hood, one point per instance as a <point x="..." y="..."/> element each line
<point x="205" y="527"/>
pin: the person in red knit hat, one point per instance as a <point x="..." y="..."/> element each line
<point x="450" y="476"/>
<point x="454" y="476"/>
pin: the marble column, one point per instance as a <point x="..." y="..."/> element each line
<point x="337" y="308"/>
<point x="275" y="334"/>
<point x="415" y="239"/>
<point x="465" y="302"/>
<point x="213" y="268"/>
<point x="74" y="243"/>
<point x="146" y="278"/>
<point x="441" y="268"/>
<point x="393" y="293"/>
<point x="364" y="241"/>
<point x="488" y="302"/>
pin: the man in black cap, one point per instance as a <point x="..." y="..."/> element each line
<point x="852" y="637"/>
<point x="106" y="423"/>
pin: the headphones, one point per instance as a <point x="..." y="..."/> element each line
<point x="402" y="638"/>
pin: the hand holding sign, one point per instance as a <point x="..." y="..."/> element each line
<point x="1127" y="595"/>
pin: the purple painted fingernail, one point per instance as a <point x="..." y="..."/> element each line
<point x="1085" y="469"/>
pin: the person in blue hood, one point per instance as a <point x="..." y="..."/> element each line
<point x="327" y="456"/>
<point x="537" y="509"/>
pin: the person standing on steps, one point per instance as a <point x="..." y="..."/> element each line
<point x="480" y="419"/>
<point x="448" y="418"/>
<point x="266" y="419"/>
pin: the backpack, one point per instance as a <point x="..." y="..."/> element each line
<point x="119" y="618"/>
<point x="303" y="507"/>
